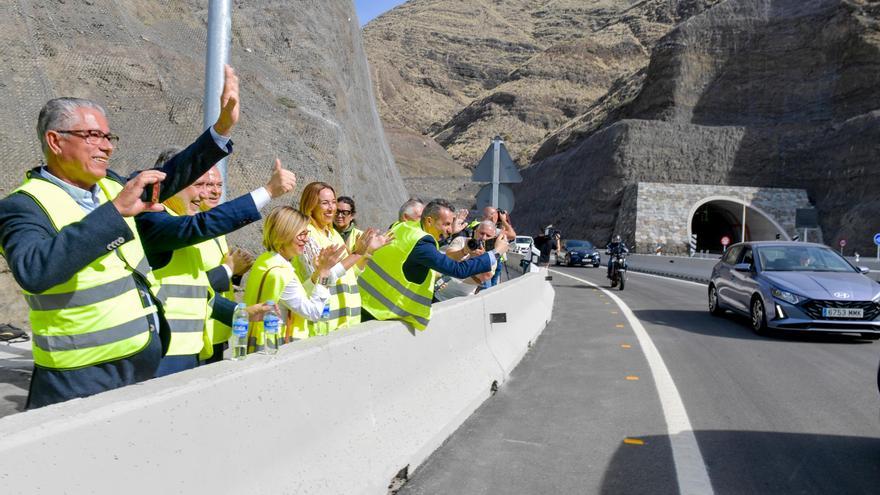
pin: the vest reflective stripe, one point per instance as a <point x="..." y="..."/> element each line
<point x="343" y="288"/>
<point x="97" y="315"/>
<point x="424" y="301"/>
<point x="184" y="294"/>
<point x="387" y="294"/>
<point x="273" y="273"/>
<point x="213" y="253"/>
<point x="84" y="297"/>
<point x="182" y="291"/>
<point x="53" y="343"/>
<point x="345" y="301"/>
<point x="404" y="314"/>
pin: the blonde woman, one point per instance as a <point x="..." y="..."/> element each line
<point x="318" y="202"/>
<point x="285" y="235"/>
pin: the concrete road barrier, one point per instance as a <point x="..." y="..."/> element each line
<point x="337" y="414"/>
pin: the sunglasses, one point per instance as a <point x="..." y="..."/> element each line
<point x="344" y="213"/>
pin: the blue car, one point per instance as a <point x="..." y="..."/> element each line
<point x="576" y="252"/>
<point x="795" y="286"/>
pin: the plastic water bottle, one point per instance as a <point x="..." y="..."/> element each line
<point x="322" y="326"/>
<point x="239" y="339"/>
<point x="271" y="324"/>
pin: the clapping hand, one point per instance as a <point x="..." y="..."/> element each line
<point x="371" y="240"/>
<point x="239" y="261"/>
<point x="327" y="259"/>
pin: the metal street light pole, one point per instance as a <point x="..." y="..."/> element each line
<point x="216" y="56"/>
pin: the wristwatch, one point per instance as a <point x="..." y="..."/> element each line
<point x="325" y="281"/>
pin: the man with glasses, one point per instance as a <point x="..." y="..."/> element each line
<point x="69" y="237"/>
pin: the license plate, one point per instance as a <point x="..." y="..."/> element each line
<point x="843" y="312"/>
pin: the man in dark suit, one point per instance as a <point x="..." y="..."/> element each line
<point x="70" y="241"/>
<point x="167" y="234"/>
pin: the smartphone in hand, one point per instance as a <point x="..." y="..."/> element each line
<point x="151" y="193"/>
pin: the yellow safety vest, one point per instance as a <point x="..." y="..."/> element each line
<point x="266" y="281"/>
<point x="353" y="236"/>
<point x="184" y="295"/>
<point x="345" y="298"/>
<point x="213" y="253"/>
<point x="385" y="291"/>
<point x="97" y="315"/>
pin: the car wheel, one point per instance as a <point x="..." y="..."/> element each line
<point x="871" y="336"/>
<point x="595" y="265"/>
<point x="714" y="307"/>
<point x="758" y="316"/>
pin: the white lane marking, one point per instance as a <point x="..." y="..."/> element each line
<point x="690" y="468"/>
<point x="629" y="272"/>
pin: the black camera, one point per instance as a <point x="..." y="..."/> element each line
<point x="474" y="244"/>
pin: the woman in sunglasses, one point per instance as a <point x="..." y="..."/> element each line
<point x="344" y="222"/>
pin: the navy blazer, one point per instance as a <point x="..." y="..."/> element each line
<point x="161" y="233"/>
<point x="41" y="257"/>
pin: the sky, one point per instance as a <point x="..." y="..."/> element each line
<point x="368" y="9"/>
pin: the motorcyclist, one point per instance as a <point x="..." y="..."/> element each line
<point x="615" y="248"/>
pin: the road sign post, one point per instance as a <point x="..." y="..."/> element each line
<point x="725" y="241"/>
<point x="842" y="245"/>
<point x="877" y="242"/>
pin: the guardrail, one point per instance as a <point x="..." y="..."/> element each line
<point x="338" y="414"/>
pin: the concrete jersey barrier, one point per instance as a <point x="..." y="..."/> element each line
<point x="337" y="414"/>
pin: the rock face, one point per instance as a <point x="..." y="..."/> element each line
<point x="463" y="72"/>
<point x="769" y="93"/>
<point x="306" y="92"/>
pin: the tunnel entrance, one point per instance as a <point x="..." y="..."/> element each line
<point x="716" y="218"/>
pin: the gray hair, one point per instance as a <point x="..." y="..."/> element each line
<point x="167" y="154"/>
<point x="433" y="209"/>
<point x="488" y="223"/>
<point x="60" y="113"/>
<point x="407" y="208"/>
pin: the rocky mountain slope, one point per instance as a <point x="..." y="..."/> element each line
<point x="751" y="92"/>
<point x="306" y="92"/>
<point x="463" y="72"/>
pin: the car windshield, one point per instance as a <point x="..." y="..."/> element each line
<point x="523" y="240"/>
<point x="574" y="244"/>
<point x="802" y="259"/>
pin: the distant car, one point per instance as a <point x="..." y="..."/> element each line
<point x="795" y="286"/>
<point x="578" y="252"/>
<point x="523" y="244"/>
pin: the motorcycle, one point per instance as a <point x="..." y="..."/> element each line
<point x="618" y="270"/>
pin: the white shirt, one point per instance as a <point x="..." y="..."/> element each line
<point x="296" y="298"/>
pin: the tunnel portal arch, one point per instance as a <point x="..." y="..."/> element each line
<point x="714" y="217"/>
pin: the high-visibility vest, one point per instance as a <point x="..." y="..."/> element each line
<point x="269" y="275"/>
<point x="385" y="291"/>
<point x="353" y="236"/>
<point x="213" y="253"/>
<point x="97" y="315"/>
<point x="345" y="298"/>
<point x="184" y="295"/>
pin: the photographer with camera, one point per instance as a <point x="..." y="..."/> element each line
<point x="463" y="248"/>
<point x="398" y="282"/>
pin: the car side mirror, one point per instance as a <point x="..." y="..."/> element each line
<point x="864" y="269"/>
<point x="742" y="267"/>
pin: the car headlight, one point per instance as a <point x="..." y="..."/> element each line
<point x="785" y="296"/>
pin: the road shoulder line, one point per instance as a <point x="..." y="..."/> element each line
<point x="690" y="468"/>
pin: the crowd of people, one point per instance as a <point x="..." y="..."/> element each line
<point x="132" y="278"/>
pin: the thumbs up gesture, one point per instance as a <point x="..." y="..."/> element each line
<point x="282" y="181"/>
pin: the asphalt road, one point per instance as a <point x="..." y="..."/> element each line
<point x="582" y="413"/>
